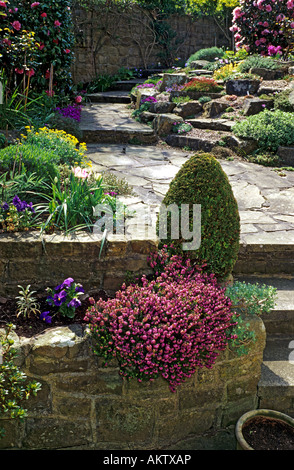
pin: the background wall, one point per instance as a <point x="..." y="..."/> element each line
<point x="109" y="40"/>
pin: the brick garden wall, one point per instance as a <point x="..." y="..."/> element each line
<point x="106" y="43"/>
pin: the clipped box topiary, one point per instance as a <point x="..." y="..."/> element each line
<point x="201" y="180"/>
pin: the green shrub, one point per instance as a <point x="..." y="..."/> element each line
<point x="210" y="54"/>
<point x="259" y="62"/>
<point x="283" y="101"/>
<point x="201" y="180"/>
<point x="269" y="128"/>
<point x="31" y="159"/>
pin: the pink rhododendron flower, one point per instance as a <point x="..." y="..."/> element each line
<point x="290" y="4"/>
<point x="43" y="15"/>
<point x="57" y="23"/>
<point x="19" y="71"/>
<point x="78" y="99"/>
<point x="3" y="4"/>
<point x="237" y="12"/>
<point x="268" y="8"/>
<point x="30" y="73"/>
<point x="16" y="25"/>
<point x="35" y="4"/>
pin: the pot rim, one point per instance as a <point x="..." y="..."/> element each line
<point x="251" y="414"/>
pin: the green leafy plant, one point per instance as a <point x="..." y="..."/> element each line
<point x="270" y="129"/>
<point x="182" y="127"/>
<point x="252" y="299"/>
<point x="248" y="299"/>
<point x="284" y="101"/>
<point x="29" y="158"/>
<point x="181" y="99"/>
<point x="26" y="303"/>
<point x="204" y="99"/>
<point x="14" y="387"/>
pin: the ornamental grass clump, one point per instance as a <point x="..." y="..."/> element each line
<point x="168" y="327"/>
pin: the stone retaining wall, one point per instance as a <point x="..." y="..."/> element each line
<point x="28" y="259"/>
<point x="84" y="406"/>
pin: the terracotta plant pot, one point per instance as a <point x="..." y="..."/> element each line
<point x="249" y="438"/>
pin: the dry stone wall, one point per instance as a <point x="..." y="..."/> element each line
<point x="83" y="405"/>
<point x="45" y="262"/>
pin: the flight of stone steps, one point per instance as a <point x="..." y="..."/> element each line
<point x="276" y="387"/>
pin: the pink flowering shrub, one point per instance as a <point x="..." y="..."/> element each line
<point x="264" y="26"/>
<point x="169" y="326"/>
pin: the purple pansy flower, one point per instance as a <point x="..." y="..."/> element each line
<point x="60" y="298"/>
<point x="45" y="316"/>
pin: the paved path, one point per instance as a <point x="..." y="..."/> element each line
<point x="265" y="198"/>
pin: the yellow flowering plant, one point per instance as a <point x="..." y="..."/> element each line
<point x="66" y="147"/>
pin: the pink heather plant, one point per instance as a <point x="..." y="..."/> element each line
<point x="264" y="26"/>
<point x="167" y="327"/>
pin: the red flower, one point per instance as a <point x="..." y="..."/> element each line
<point x="3" y="4"/>
<point x="55" y="41"/>
<point x="30" y="73"/>
<point x="35" y="4"/>
<point x="41" y="46"/>
<point x="43" y="15"/>
<point x="57" y="23"/>
<point x="67" y="51"/>
<point x="16" y="25"/>
<point x="47" y="74"/>
<point x="20" y="71"/>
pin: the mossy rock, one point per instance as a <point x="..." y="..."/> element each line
<point x="201" y="180"/>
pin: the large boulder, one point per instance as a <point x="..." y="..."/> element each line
<point x="191" y="108"/>
<point x="171" y="79"/>
<point x="242" y="87"/>
<point x="162" y="107"/>
<point x="256" y="105"/>
<point x="163" y="123"/>
<point x="214" y="108"/>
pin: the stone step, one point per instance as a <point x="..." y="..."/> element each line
<point x="212" y="124"/>
<point x="280" y="321"/>
<point x="276" y="385"/>
<point x="114" y="96"/>
<point x="112" y="123"/>
<point x="198" y="139"/>
<point x="127" y="85"/>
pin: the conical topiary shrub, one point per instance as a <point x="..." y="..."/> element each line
<point x="201" y="180"/>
